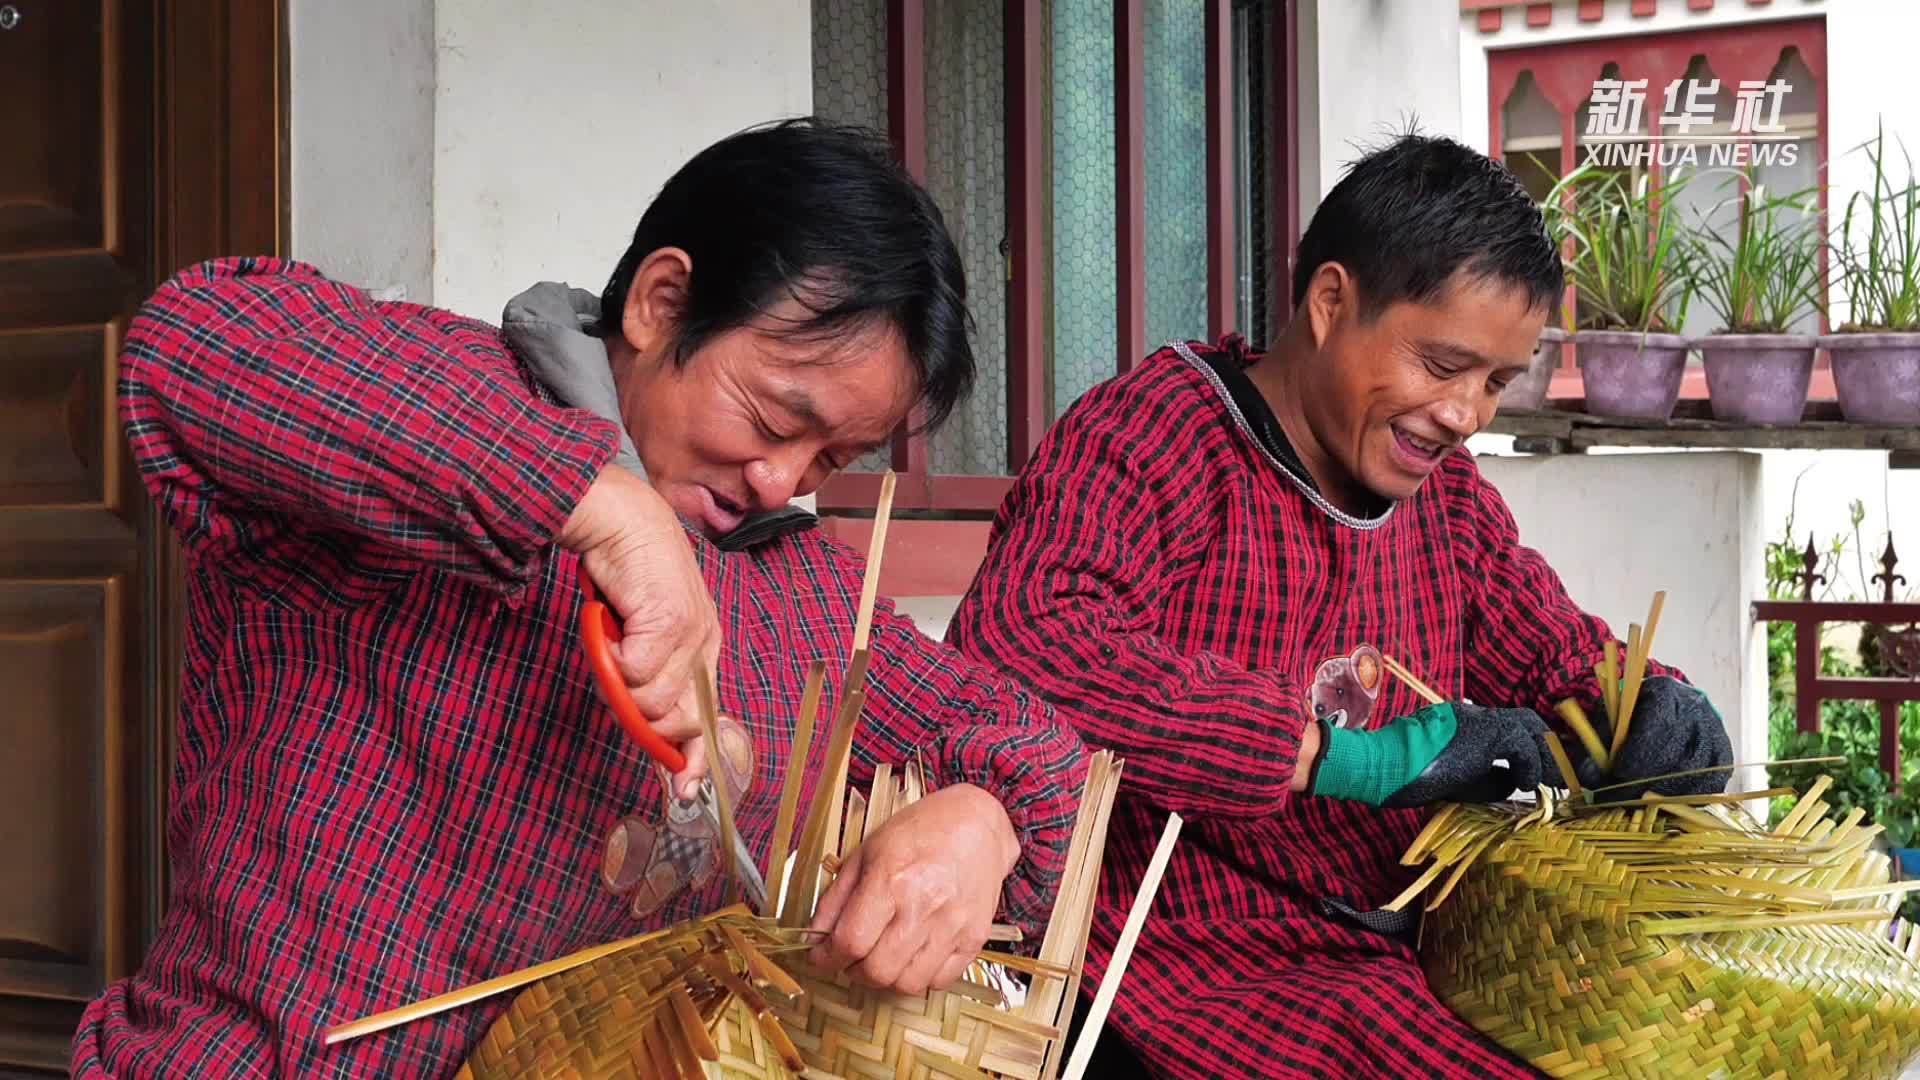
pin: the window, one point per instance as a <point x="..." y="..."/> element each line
<point x="1542" y="98"/>
<point x="1115" y="175"/>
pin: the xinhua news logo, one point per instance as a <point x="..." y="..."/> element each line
<point x="1756" y="134"/>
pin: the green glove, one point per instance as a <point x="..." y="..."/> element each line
<point x="1443" y="753"/>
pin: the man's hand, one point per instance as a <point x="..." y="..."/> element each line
<point x="1444" y="753"/>
<point x="637" y="554"/>
<point x="1674" y="729"/>
<point x="912" y="905"/>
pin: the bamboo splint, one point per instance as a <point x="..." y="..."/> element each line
<point x="1665" y="936"/>
<point x="730" y="994"/>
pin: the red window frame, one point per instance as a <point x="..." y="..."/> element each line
<point x="923" y="492"/>
<point x="1565" y="73"/>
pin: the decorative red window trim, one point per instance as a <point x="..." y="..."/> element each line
<point x="1540" y="14"/>
<point x="1565" y="71"/>
<point x="1222" y="285"/>
<point x="1130" y="175"/>
<point x="1643" y="9"/>
<point x="924" y="558"/>
<point x="907" y="124"/>
<point x="1595" y="10"/>
<point x="1284" y="221"/>
<point x="1028" y="402"/>
<point x="1026" y="75"/>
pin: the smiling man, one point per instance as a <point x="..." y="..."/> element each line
<point x="1203" y="567"/>
<point x="394" y="777"/>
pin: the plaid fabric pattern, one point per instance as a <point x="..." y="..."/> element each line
<point x="394" y="778"/>
<point x="1164" y="584"/>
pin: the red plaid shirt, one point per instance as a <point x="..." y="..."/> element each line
<point x="394" y="778"/>
<point x="1157" y="575"/>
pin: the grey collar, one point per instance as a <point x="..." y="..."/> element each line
<point x="548" y="327"/>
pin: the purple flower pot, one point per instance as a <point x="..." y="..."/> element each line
<point x="1529" y="391"/>
<point x="1877" y="377"/>
<point x="1758" y="378"/>
<point x="1631" y="375"/>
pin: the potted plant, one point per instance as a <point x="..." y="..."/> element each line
<point x="1626" y="265"/>
<point x="1529" y="391"/>
<point x="1758" y="281"/>
<point x="1876" y="353"/>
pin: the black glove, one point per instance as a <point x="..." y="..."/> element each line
<point x="1674" y="729"/>
<point x="1443" y="753"/>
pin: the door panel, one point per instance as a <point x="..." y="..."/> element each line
<point x="78" y="805"/>
<point x="51" y="179"/>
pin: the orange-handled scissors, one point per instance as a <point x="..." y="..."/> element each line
<point x="599" y="629"/>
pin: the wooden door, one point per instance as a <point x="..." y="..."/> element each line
<point x="96" y="205"/>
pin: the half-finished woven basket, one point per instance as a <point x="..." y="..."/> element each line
<point x="1672" y="938"/>
<point x="700" y="1000"/>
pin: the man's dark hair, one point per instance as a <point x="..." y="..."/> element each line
<point x="1407" y="217"/>
<point x="823" y="214"/>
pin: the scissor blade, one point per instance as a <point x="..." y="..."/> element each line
<point x="743" y="865"/>
<point x="750" y="879"/>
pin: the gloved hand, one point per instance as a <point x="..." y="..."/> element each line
<point x="1443" y="753"/>
<point x="1674" y="729"/>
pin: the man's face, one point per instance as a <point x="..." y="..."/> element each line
<point x="1388" y="398"/>
<point x="756" y="417"/>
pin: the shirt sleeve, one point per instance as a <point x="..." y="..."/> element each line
<point x="970" y="724"/>
<point x="258" y="396"/>
<point x="1527" y="643"/>
<point x="1084" y="553"/>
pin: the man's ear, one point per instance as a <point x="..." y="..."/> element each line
<point x="657" y="301"/>
<point x="1330" y="295"/>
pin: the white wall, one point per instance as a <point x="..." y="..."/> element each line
<point x="555" y="125"/>
<point x="456" y="151"/>
<point x="1376" y="65"/>
<point x="1620" y="528"/>
<point x="361" y="124"/>
<point x="1817" y="488"/>
<point x="1870" y="63"/>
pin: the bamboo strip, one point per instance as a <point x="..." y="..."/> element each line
<point x="1564" y="764"/>
<point x="1427" y="693"/>
<point x="1122" y="952"/>
<point x="1610" y="683"/>
<point x="876" y="546"/>
<point x="480" y="991"/>
<point x="776" y="874"/>
<point x="798" y="909"/>
<point x="1639" y="647"/>
<point x="1577" y="722"/>
<point x="716" y="780"/>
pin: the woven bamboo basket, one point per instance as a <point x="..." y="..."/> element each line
<point x="729" y="995"/>
<point x="1673" y="939"/>
<point x="1666" y="937"/>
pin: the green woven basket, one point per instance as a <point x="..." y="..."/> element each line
<point x="1672" y="938"/>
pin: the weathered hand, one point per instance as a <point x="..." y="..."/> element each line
<point x="637" y="553"/>
<point x="912" y="905"/>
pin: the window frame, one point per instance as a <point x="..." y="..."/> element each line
<point x="922" y="492"/>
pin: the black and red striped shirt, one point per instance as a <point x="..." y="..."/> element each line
<point x="1166" y="573"/>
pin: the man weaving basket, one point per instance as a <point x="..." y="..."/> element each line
<point x="1206" y="564"/>
<point x="394" y="776"/>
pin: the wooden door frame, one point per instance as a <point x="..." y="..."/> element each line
<point x="220" y="184"/>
